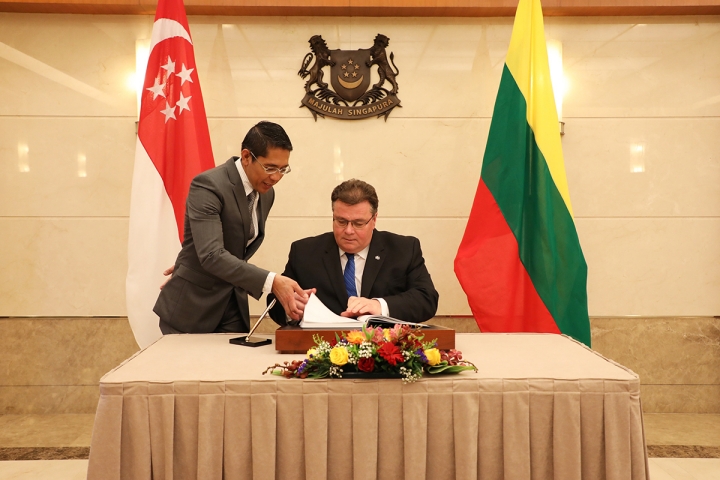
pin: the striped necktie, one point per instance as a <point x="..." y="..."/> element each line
<point x="349" y="275"/>
<point x="251" y="201"/>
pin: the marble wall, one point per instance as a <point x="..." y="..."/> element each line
<point x="53" y="365"/>
<point x="642" y="112"/>
<point x="677" y="359"/>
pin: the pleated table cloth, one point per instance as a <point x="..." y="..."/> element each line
<point x="542" y="406"/>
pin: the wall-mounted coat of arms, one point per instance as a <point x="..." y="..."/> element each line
<point x="350" y="72"/>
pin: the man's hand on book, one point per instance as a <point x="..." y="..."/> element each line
<point x="362" y="306"/>
<point x="301" y="302"/>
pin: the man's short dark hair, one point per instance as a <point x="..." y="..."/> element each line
<point x="266" y="135"/>
<point x="355" y="191"/>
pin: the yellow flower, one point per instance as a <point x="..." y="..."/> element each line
<point x="386" y="334"/>
<point x="339" y="355"/>
<point x="311" y="352"/>
<point x="433" y="356"/>
<point x="355" y="337"/>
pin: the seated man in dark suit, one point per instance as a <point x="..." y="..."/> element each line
<point x="357" y="270"/>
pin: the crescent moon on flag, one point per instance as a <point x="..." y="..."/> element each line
<point x="167" y="28"/>
<point x="351" y="85"/>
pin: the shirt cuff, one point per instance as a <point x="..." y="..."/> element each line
<point x="384" y="307"/>
<point x="267" y="287"/>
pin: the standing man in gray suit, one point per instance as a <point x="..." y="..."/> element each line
<point x="225" y="218"/>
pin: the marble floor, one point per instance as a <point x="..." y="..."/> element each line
<point x="31" y="446"/>
<point x="660" y="469"/>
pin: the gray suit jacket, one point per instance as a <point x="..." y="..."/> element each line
<point x="212" y="264"/>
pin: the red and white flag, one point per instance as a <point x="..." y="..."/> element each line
<point x="173" y="146"/>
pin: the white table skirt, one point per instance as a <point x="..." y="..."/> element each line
<point x="541" y="407"/>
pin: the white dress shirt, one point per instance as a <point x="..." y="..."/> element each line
<point x="360" y="260"/>
<point x="247" y="186"/>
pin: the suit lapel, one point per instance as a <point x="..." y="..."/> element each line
<point x="331" y="260"/>
<point x="264" y="204"/>
<point x="373" y="263"/>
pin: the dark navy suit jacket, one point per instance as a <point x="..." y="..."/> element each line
<point x="395" y="271"/>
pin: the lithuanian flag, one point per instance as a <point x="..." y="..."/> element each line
<point x="520" y="261"/>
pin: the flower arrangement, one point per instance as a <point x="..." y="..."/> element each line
<point x="399" y="351"/>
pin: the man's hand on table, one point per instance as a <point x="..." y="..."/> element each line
<point x="362" y="306"/>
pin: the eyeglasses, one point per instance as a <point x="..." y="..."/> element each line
<point x="356" y="224"/>
<point x="272" y="170"/>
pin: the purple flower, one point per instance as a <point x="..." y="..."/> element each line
<point x="302" y="366"/>
<point x="421" y="353"/>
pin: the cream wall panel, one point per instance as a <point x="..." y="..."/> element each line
<point x="247" y="65"/>
<point x="420" y="167"/>
<point x="638" y="67"/>
<point x="643" y="167"/>
<point x="449" y="67"/>
<point x="636" y="267"/>
<point x="615" y="67"/>
<point x="63" y="266"/>
<point x="652" y="266"/>
<point x="78" y="166"/>
<point x="69" y="64"/>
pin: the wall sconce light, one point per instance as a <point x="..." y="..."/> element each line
<point x="637" y="158"/>
<point x="557" y="76"/>
<point x="82" y="165"/>
<point x="23" y="160"/>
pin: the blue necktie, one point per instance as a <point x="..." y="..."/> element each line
<point x="350" y="275"/>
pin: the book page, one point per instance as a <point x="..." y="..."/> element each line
<point x="317" y="315"/>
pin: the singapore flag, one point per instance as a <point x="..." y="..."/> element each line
<point x="173" y="146"/>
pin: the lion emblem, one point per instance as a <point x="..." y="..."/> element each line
<point x="322" y="59"/>
<point x="379" y="58"/>
<point x="348" y="97"/>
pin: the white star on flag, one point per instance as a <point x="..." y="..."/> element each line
<point x="182" y="104"/>
<point x="169" y="112"/>
<point x="185" y="74"/>
<point x="169" y="66"/>
<point x="157" y="89"/>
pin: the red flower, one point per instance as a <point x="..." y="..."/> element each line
<point x="453" y="357"/>
<point x="366" y="364"/>
<point x="391" y="353"/>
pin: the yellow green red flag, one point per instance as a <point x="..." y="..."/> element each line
<point x="520" y="261"/>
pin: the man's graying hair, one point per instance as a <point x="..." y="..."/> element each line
<point x="266" y="135"/>
<point x="355" y="191"/>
